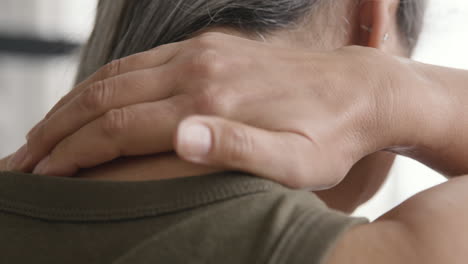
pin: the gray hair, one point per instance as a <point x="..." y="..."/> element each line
<point x="125" y="27"/>
<point x="410" y="21"/>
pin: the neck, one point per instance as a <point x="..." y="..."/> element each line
<point x="159" y="167"/>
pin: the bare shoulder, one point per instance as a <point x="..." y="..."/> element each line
<point x="380" y="242"/>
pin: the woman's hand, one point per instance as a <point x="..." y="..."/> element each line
<point x="300" y="118"/>
<point x="3" y="163"/>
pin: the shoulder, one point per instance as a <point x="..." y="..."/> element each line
<point x="276" y="226"/>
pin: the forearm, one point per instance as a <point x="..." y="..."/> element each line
<point x="437" y="134"/>
<point x="428" y="228"/>
<point x="433" y="223"/>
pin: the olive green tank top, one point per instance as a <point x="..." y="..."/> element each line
<point x="221" y="218"/>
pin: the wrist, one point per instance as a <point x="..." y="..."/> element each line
<point x="408" y="110"/>
<point x="395" y="103"/>
<point x="378" y="112"/>
<point x="423" y="129"/>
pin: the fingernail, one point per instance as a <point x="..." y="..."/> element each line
<point x="42" y="167"/>
<point x="19" y="159"/>
<point x="194" y="140"/>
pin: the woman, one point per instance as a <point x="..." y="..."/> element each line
<point x="366" y="176"/>
<point x="347" y="130"/>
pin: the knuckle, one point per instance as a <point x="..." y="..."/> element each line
<point x="208" y="40"/>
<point x="111" y="69"/>
<point x="115" y="122"/>
<point x="38" y="137"/>
<point x="32" y="146"/>
<point x="96" y="96"/>
<point x="208" y="64"/>
<point x="64" y="147"/>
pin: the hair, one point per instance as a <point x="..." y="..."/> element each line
<point x="410" y="21"/>
<point x="125" y="27"/>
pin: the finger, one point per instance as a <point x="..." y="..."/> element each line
<point x="4" y="162"/>
<point x="218" y="142"/>
<point x="144" y="60"/>
<point x="114" y="135"/>
<point x="103" y="96"/>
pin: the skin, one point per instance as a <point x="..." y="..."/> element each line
<point x="427" y="228"/>
<point x="364" y="174"/>
<point x="400" y="121"/>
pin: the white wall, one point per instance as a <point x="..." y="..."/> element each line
<point x="49" y="18"/>
<point x="30" y="85"/>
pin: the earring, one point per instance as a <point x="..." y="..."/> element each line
<point x="386" y="37"/>
<point x="366" y="28"/>
<point x="369" y="29"/>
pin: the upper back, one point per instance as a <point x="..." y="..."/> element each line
<point x="227" y="218"/>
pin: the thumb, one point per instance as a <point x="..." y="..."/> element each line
<point x="284" y="157"/>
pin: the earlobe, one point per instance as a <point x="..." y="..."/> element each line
<point x="374" y="17"/>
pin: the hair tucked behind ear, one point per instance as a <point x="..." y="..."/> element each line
<point x="125" y="27"/>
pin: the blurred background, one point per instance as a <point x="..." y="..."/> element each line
<point x="39" y="41"/>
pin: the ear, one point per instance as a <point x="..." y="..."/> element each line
<point x="375" y="21"/>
